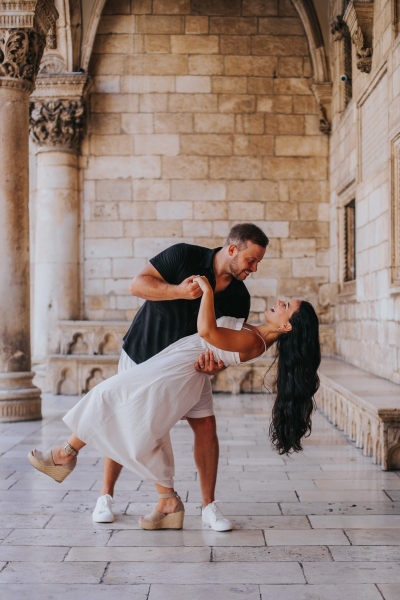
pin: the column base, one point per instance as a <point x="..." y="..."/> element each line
<point x="19" y="398"/>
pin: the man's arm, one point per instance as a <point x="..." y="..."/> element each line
<point x="150" y="285"/>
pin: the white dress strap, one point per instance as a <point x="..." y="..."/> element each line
<point x="265" y="345"/>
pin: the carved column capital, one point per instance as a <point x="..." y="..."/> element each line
<point x="57" y="110"/>
<point x="57" y="123"/>
<point x="24" y="30"/>
<point x="359" y="17"/>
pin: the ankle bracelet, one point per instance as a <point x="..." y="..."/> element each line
<point x="70" y="450"/>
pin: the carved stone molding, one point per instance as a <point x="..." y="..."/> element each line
<point x="40" y="15"/>
<point x="57" y="123"/>
<point x="57" y="110"/>
<point x="323" y="95"/>
<point x="359" y="17"/>
<point x="24" y="26"/>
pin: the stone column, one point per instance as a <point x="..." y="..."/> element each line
<point x="56" y="123"/>
<point x="24" y="26"/>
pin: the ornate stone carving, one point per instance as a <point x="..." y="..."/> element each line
<point x="57" y="123"/>
<point x="364" y="60"/>
<point x="339" y="28"/>
<point x="20" y="53"/>
<point x="40" y="15"/>
<point x="24" y="25"/>
<point x="323" y="95"/>
<point x="359" y="16"/>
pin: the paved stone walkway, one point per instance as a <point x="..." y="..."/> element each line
<point x="323" y="525"/>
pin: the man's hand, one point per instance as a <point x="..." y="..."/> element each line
<point x="206" y="364"/>
<point x="189" y="289"/>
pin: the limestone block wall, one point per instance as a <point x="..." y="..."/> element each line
<point x="201" y="117"/>
<point x="367" y="313"/>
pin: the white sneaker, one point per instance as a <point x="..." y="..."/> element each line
<point x="103" y="512"/>
<point x="211" y="515"/>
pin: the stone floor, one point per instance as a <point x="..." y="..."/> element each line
<point x="322" y="525"/>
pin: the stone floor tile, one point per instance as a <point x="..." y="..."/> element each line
<point x="354" y="572"/>
<point x="204" y="592"/>
<point x="355" y="522"/>
<point x="6" y="484"/>
<point x="73" y="592"/>
<point x="32" y="554"/>
<point x="167" y="554"/>
<point x="320" y="592"/>
<point x="252" y="509"/>
<point x="272" y="485"/>
<point x="50" y="572"/>
<point x="375" y="476"/>
<point x="4" y="533"/>
<point x="340" y="508"/>
<point x="356" y="484"/>
<point x="343" y="496"/>
<point x="33" y="496"/>
<point x="311" y="537"/>
<point x="205" y="537"/>
<point x="393" y="494"/>
<point x="23" y="521"/>
<point x="273" y="554"/>
<point x="190" y="573"/>
<point x="266" y="496"/>
<point x="57" y="537"/>
<point x="390" y="591"/>
<point x="364" y="553"/>
<point x="374" y="537"/>
<point x="46" y="483"/>
<point x="255" y="522"/>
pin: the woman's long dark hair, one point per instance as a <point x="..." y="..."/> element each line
<point x="298" y="359"/>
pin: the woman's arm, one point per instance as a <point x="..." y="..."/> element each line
<point x="243" y="341"/>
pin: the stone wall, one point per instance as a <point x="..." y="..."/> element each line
<point x="202" y="116"/>
<point x="368" y="310"/>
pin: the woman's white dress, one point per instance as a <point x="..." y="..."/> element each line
<point x="128" y="417"/>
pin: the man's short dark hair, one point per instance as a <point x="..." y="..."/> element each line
<point x="242" y="233"/>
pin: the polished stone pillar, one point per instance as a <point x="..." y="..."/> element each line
<point x="57" y="119"/>
<point x="24" y="26"/>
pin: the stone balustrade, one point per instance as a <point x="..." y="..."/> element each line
<point x="365" y="407"/>
<point x="89" y="353"/>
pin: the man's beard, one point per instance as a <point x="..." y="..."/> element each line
<point x="234" y="269"/>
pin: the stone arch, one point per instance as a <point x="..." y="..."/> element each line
<point x="312" y="28"/>
<point x="305" y="9"/>
<point x="90" y="33"/>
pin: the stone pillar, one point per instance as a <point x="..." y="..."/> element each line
<point x="56" y="123"/>
<point x="24" y="26"/>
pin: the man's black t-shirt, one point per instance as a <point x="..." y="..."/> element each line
<point x="161" y="323"/>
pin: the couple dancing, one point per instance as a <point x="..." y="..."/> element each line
<point x="163" y="374"/>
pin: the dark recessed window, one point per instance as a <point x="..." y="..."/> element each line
<point x="350" y="241"/>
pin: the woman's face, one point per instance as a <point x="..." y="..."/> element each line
<point x="280" y="314"/>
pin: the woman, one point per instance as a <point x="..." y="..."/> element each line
<point x="129" y="416"/>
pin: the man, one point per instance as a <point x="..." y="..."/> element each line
<point x="169" y="314"/>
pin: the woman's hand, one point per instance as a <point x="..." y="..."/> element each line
<point x="203" y="283"/>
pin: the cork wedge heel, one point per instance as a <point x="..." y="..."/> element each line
<point x="44" y="463"/>
<point x="159" y="520"/>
